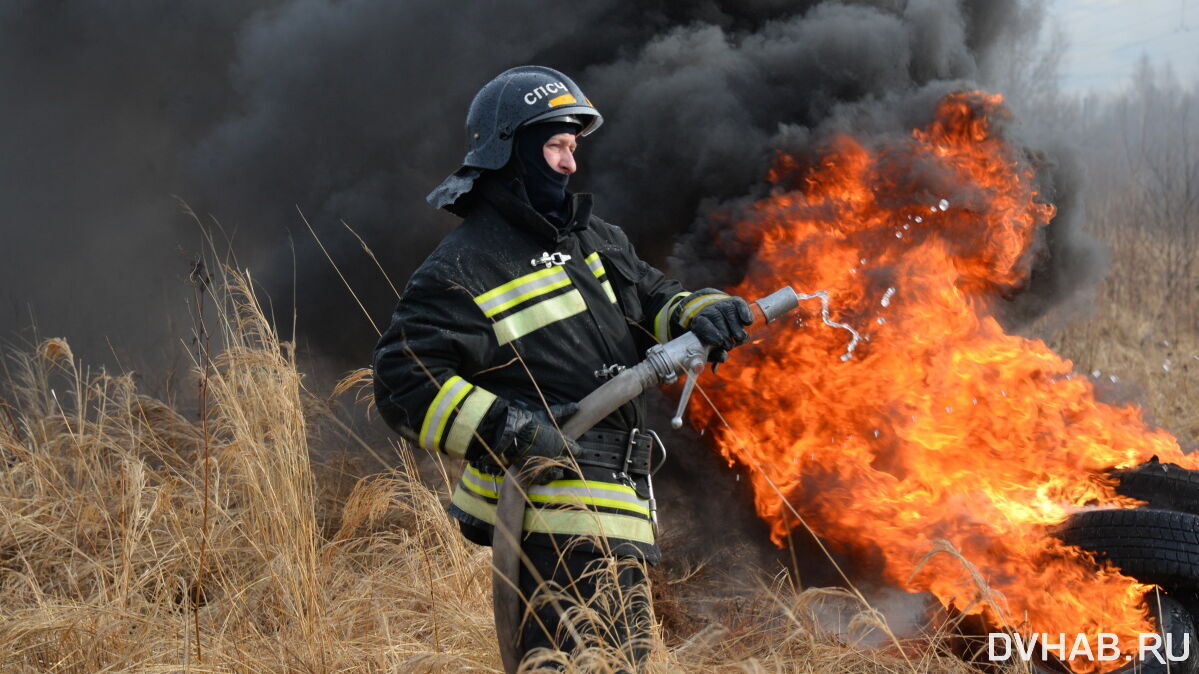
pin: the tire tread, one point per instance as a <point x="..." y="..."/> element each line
<point x="1154" y="546"/>
<point x="1165" y="486"/>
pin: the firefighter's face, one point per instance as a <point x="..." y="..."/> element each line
<point x="559" y="152"/>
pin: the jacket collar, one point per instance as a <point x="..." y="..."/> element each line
<point x="506" y="195"/>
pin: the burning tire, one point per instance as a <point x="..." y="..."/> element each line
<point x="1154" y="546"/>
<point x="1163" y="485"/>
<point x="1175" y="624"/>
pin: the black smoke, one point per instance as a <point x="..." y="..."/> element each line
<point x="252" y="112"/>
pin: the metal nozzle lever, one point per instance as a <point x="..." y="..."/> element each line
<point x="694" y="367"/>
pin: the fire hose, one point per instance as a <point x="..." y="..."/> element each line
<point x="683" y="356"/>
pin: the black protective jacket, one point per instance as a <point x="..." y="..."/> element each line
<point x="509" y="308"/>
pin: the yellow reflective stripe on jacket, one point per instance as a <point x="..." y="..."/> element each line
<point x="562" y="522"/>
<point x="610" y="486"/>
<point x="469" y="416"/>
<point x="589" y="523"/>
<point x="608" y="290"/>
<point x="593" y="494"/>
<point x="596" y="265"/>
<point x="538" y="316"/>
<point x="473" y="504"/>
<point x="521" y="290"/>
<point x="562" y="492"/>
<point x="697" y="305"/>
<point x="481" y="483"/>
<point x="439" y="410"/>
<point x="662" y="320"/>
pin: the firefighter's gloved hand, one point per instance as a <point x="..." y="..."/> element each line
<point x="560" y="413"/>
<point x="536" y="443"/>
<point x="721" y="325"/>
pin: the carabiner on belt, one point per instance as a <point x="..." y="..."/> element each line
<point x="624" y="477"/>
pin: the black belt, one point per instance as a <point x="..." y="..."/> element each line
<point x="621" y="451"/>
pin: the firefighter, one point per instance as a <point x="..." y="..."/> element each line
<point x="527" y="306"/>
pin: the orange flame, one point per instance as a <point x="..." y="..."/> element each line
<point x="941" y="426"/>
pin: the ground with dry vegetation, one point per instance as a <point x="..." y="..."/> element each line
<point x="135" y="538"/>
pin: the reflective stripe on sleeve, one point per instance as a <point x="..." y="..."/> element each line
<point x="697" y="305"/>
<point x="439" y="410"/>
<point x="662" y="320"/>
<point x="521" y="290"/>
<point x="469" y="416"/>
<point x="538" y="316"/>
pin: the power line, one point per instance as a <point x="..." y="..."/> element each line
<point x="1095" y="48"/>
<point x="1078" y="20"/>
<point x="1104" y="57"/>
<point x="1115" y="26"/>
<point x="1105" y="36"/>
<point x="1182" y="16"/>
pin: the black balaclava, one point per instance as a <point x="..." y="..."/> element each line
<point x="545" y="187"/>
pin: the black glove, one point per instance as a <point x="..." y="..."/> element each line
<point x="536" y="443"/>
<point x="721" y="325"/>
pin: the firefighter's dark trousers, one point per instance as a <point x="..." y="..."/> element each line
<point x="601" y="600"/>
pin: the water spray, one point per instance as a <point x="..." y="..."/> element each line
<point x="822" y="295"/>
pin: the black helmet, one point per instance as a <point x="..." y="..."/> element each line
<point x="517" y="97"/>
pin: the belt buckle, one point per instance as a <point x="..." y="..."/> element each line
<point x="634" y="437"/>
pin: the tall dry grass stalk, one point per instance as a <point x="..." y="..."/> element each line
<point x="103" y="510"/>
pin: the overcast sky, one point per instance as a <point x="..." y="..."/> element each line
<point x="1107" y="37"/>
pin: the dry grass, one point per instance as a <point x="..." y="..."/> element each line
<point x="133" y="538"/>
<point x="1141" y="336"/>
